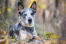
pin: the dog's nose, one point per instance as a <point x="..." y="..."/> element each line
<point x="29" y="21"/>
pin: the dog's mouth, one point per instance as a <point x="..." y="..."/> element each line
<point x="29" y="24"/>
<point x="26" y="25"/>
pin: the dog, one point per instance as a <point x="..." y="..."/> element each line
<point x="25" y="25"/>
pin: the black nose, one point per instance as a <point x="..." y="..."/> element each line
<point x="29" y="21"/>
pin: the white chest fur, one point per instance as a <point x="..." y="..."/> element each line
<point x="23" y="35"/>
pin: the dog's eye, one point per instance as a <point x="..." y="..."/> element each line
<point x="32" y="13"/>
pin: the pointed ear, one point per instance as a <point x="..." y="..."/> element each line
<point x="34" y="6"/>
<point x="20" y="6"/>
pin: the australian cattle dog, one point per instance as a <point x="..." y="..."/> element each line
<point x="25" y="24"/>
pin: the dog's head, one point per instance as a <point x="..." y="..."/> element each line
<point x="27" y="14"/>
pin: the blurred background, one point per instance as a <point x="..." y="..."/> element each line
<point x="50" y="18"/>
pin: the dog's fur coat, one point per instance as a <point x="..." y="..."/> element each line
<point x="25" y="26"/>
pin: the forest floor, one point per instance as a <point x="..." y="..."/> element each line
<point x="12" y="41"/>
<point x="7" y="40"/>
<point x="24" y="42"/>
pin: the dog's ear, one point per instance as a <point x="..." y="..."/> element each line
<point x="20" y="7"/>
<point x="34" y="6"/>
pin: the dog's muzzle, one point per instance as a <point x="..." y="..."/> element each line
<point x="29" y="21"/>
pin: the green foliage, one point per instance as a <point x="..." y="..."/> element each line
<point x="47" y="35"/>
<point x="51" y="36"/>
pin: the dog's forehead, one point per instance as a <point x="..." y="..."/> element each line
<point x="27" y="10"/>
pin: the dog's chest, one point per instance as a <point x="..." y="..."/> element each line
<point x="24" y="32"/>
